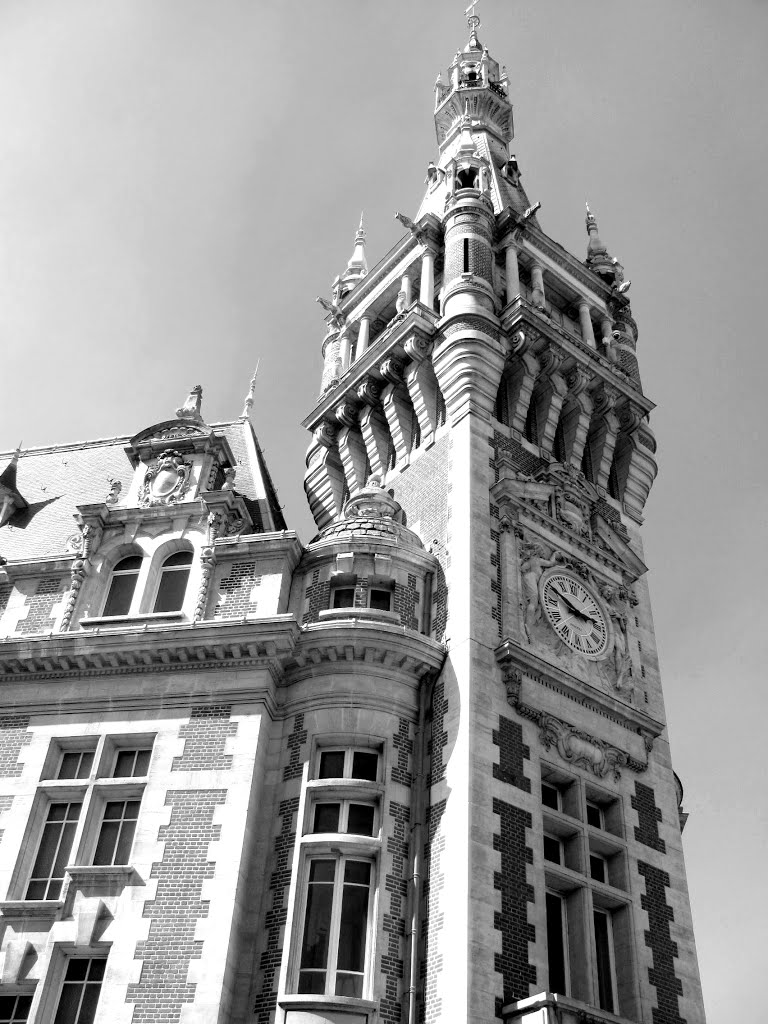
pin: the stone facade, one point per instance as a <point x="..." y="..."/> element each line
<point x="414" y="771"/>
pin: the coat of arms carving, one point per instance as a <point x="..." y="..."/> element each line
<point x="165" y="481"/>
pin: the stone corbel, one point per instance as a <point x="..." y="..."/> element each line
<point x="636" y="466"/>
<point x="346" y="414"/>
<point x="603" y="432"/>
<point x="576" y="416"/>
<point x="353" y="457"/>
<point x="13" y="957"/>
<point x="548" y="394"/>
<point x="369" y="393"/>
<point x="91" y="525"/>
<point x="325" y="435"/>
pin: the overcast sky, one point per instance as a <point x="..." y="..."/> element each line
<point x="179" y="180"/>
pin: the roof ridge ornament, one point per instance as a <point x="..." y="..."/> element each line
<point x="190" y="410"/>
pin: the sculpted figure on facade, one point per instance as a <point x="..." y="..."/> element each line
<point x="618" y="610"/>
<point x="534" y="562"/>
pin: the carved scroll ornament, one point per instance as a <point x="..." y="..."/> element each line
<point x="581" y="749"/>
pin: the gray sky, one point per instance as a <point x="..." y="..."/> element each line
<point x="179" y="180"/>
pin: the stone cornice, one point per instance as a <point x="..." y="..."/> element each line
<point x="17" y="569"/>
<point x="512" y="657"/>
<point x="101" y="652"/>
<point x="352" y="645"/>
<point x="321" y="550"/>
<point x="276" y="544"/>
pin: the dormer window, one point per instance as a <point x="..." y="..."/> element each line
<point x="123" y="585"/>
<point x="174" y="577"/>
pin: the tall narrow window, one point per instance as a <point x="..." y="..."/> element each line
<point x="335" y="938"/>
<point x="466" y="255"/>
<point x="556" y="944"/>
<point x="116" y="835"/>
<point x="80" y="991"/>
<point x="604" y="961"/>
<point x="173" y="582"/>
<point x="53" y="853"/>
<point x="121" y="589"/>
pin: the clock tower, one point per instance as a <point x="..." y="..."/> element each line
<point x="485" y="382"/>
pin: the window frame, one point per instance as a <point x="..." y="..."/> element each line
<point x="57" y="978"/>
<point x="161" y="568"/>
<point x="135" y="593"/>
<point x="612" y="980"/>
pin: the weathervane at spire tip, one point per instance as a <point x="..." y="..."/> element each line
<point x="472" y="19"/>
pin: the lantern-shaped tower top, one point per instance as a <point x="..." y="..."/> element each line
<point x="475" y="83"/>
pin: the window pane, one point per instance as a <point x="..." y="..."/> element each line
<point x="381" y="600"/>
<point x="180" y="558"/>
<point x="327" y="818"/>
<point x="121" y="594"/>
<point x="80" y="992"/>
<point x="173" y="587"/>
<point x="69" y="1004"/>
<point x="354" y="917"/>
<point x="594" y="817"/>
<point x="105" y="848"/>
<point x="555" y="944"/>
<point x="312" y="982"/>
<point x="14" y="1009"/>
<point x="550" y="796"/>
<point x="552" y="850"/>
<point x="125" y="842"/>
<point x="332" y="764"/>
<point x="75" y="764"/>
<point x="54" y="851"/>
<point x="603" y="959"/>
<point x="317" y="921"/>
<point x="360" y="820"/>
<point x="365" y="765"/>
<point x="343" y="597"/>
<point x="124" y="763"/>
<point x="597" y="868"/>
<point x="130" y="564"/>
<point x="349" y="985"/>
<point x="142" y="762"/>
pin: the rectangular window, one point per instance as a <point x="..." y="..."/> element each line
<point x="75" y="764"/>
<point x="553" y="849"/>
<point x="131" y="763"/>
<point x="14" y="1009"/>
<point x="550" y="796"/>
<point x="557" y="951"/>
<point x="466" y="255"/>
<point x="598" y="868"/>
<point x="117" y="829"/>
<point x="80" y="991"/>
<point x="595" y="816"/>
<point x="343" y="597"/>
<point x="54" y="851"/>
<point x="349" y="764"/>
<point x="344" y="816"/>
<point x="604" y="961"/>
<point x="335" y="937"/>
<point x="380" y="600"/>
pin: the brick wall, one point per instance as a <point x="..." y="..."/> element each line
<point x="162" y="989"/>
<point x="294" y="743"/>
<point x="403" y="747"/>
<point x="439" y="737"/>
<point x="406" y="600"/>
<point x="663" y="950"/>
<point x="205" y="736"/>
<point x="318" y="595"/>
<point x="13" y="736"/>
<point x="236" y="590"/>
<point x="649" y="816"/>
<point x="513" y="963"/>
<point x="396" y="884"/>
<point x="432" y="921"/>
<point x="38" y="618"/>
<point x="424" y="494"/>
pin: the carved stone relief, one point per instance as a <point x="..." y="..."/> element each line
<point x="166" y="480"/>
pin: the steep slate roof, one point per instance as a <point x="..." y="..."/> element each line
<point x="56" y="479"/>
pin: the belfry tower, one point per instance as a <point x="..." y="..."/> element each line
<point x="481" y="392"/>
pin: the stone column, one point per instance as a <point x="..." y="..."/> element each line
<point x="362" y="336"/>
<point x="537" y="281"/>
<point x="427" y="285"/>
<point x="585" y="322"/>
<point x="513" y="275"/>
<point x="404" y="295"/>
<point x="606" y="330"/>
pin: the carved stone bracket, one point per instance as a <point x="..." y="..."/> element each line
<point x="346" y="414"/>
<point x="91" y="531"/>
<point x="325" y="434"/>
<point x="369" y="392"/>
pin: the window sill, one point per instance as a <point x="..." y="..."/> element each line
<point x="30" y="908"/>
<point x="336" y="614"/>
<point x="326" y="1009"/>
<point x="568" y="1010"/>
<point x="342" y="842"/>
<point x="129" y="620"/>
<point x="100" y="872"/>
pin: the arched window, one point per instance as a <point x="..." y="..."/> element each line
<point x="173" y="582"/>
<point x="121" y="589"/>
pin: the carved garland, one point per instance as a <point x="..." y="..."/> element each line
<point x="90" y="538"/>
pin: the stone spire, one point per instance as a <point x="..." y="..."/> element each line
<point x="357" y="267"/>
<point x="600" y="260"/>
<point x="248" y="405"/>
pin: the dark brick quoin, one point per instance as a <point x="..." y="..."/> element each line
<point x="49" y="592"/>
<point x="649" y="816"/>
<point x="13" y="736"/>
<point x="433" y="920"/>
<point x="663" y="950"/>
<point x="396" y="884"/>
<point x="275" y="918"/>
<point x="512" y="752"/>
<point x="295" y="742"/>
<point x="318" y="598"/>
<point x="166" y="953"/>
<point x="205" y="735"/>
<point x="517" y="973"/>
<point x="406" y="601"/>
<point x="403" y="745"/>
<point x="439" y="738"/>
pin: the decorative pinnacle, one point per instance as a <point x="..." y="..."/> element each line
<point x="474" y="23"/>
<point x="246" y="413"/>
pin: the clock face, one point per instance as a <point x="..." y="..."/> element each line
<point x="574" y="614"/>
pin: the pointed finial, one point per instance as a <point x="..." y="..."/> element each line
<point x="474" y="23"/>
<point x="246" y="413"/>
<point x="357" y="267"/>
<point x="191" y="408"/>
